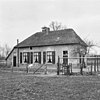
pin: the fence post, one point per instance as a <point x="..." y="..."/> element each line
<point x="58" y="66"/>
<point x="26" y="68"/>
<point x="70" y="68"/>
<point x="45" y="70"/>
<point x="81" y="69"/>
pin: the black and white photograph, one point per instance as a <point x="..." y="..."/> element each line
<point x="49" y="49"/>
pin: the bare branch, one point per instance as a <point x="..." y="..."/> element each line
<point x="54" y="25"/>
<point x="4" y="50"/>
<point x="90" y="44"/>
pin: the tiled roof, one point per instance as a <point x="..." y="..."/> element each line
<point x="60" y="37"/>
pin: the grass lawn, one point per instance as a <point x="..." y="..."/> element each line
<point x="17" y="86"/>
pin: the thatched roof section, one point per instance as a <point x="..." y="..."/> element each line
<point x="60" y="37"/>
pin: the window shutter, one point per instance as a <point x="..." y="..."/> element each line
<point x="28" y="57"/>
<point x="80" y="58"/>
<point x="31" y="56"/>
<point x="39" y="56"/>
<point x="53" y="57"/>
<point x="44" y="57"/>
<point x="20" y="57"/>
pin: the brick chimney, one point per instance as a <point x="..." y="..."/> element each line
<point x="46" y="30"/>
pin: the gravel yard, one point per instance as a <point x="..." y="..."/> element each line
<point x="17" y="86"/>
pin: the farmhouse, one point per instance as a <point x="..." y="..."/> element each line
<point x="45" y="47"/>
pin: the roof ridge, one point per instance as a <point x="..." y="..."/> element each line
<point x="61" y="30"/>
<point x="67" y="36"/>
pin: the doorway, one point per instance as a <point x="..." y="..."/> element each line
<point x="14" y="61"/>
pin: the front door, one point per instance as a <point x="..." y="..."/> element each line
<point x="14" y="61"/>
<point x="65" y="57"/>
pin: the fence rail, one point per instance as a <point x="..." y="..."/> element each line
<point x="79" y="64"/>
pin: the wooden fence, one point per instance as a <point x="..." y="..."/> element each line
<point x="81" y="64"/>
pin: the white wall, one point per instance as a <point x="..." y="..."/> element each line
<point x="58" y="52"/>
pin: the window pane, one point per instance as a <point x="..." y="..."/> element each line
<point x="50" y="57"/>
<point x="25" y="57"/>
<point x="37" y="57"/>
<point x="65" y="55"/>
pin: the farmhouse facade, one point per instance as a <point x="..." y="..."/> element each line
<point x="45" y="47"/>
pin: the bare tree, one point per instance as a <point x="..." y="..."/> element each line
<point x="80" y="51"/>
<point x="4" y="50"/>
<point x="90" y="44"/>
<point x="7" y="49"/>
<point x="0" y="51"/>
<point x="54" y="25"/>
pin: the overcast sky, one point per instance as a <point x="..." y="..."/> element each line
<point x="21" y="18"/>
